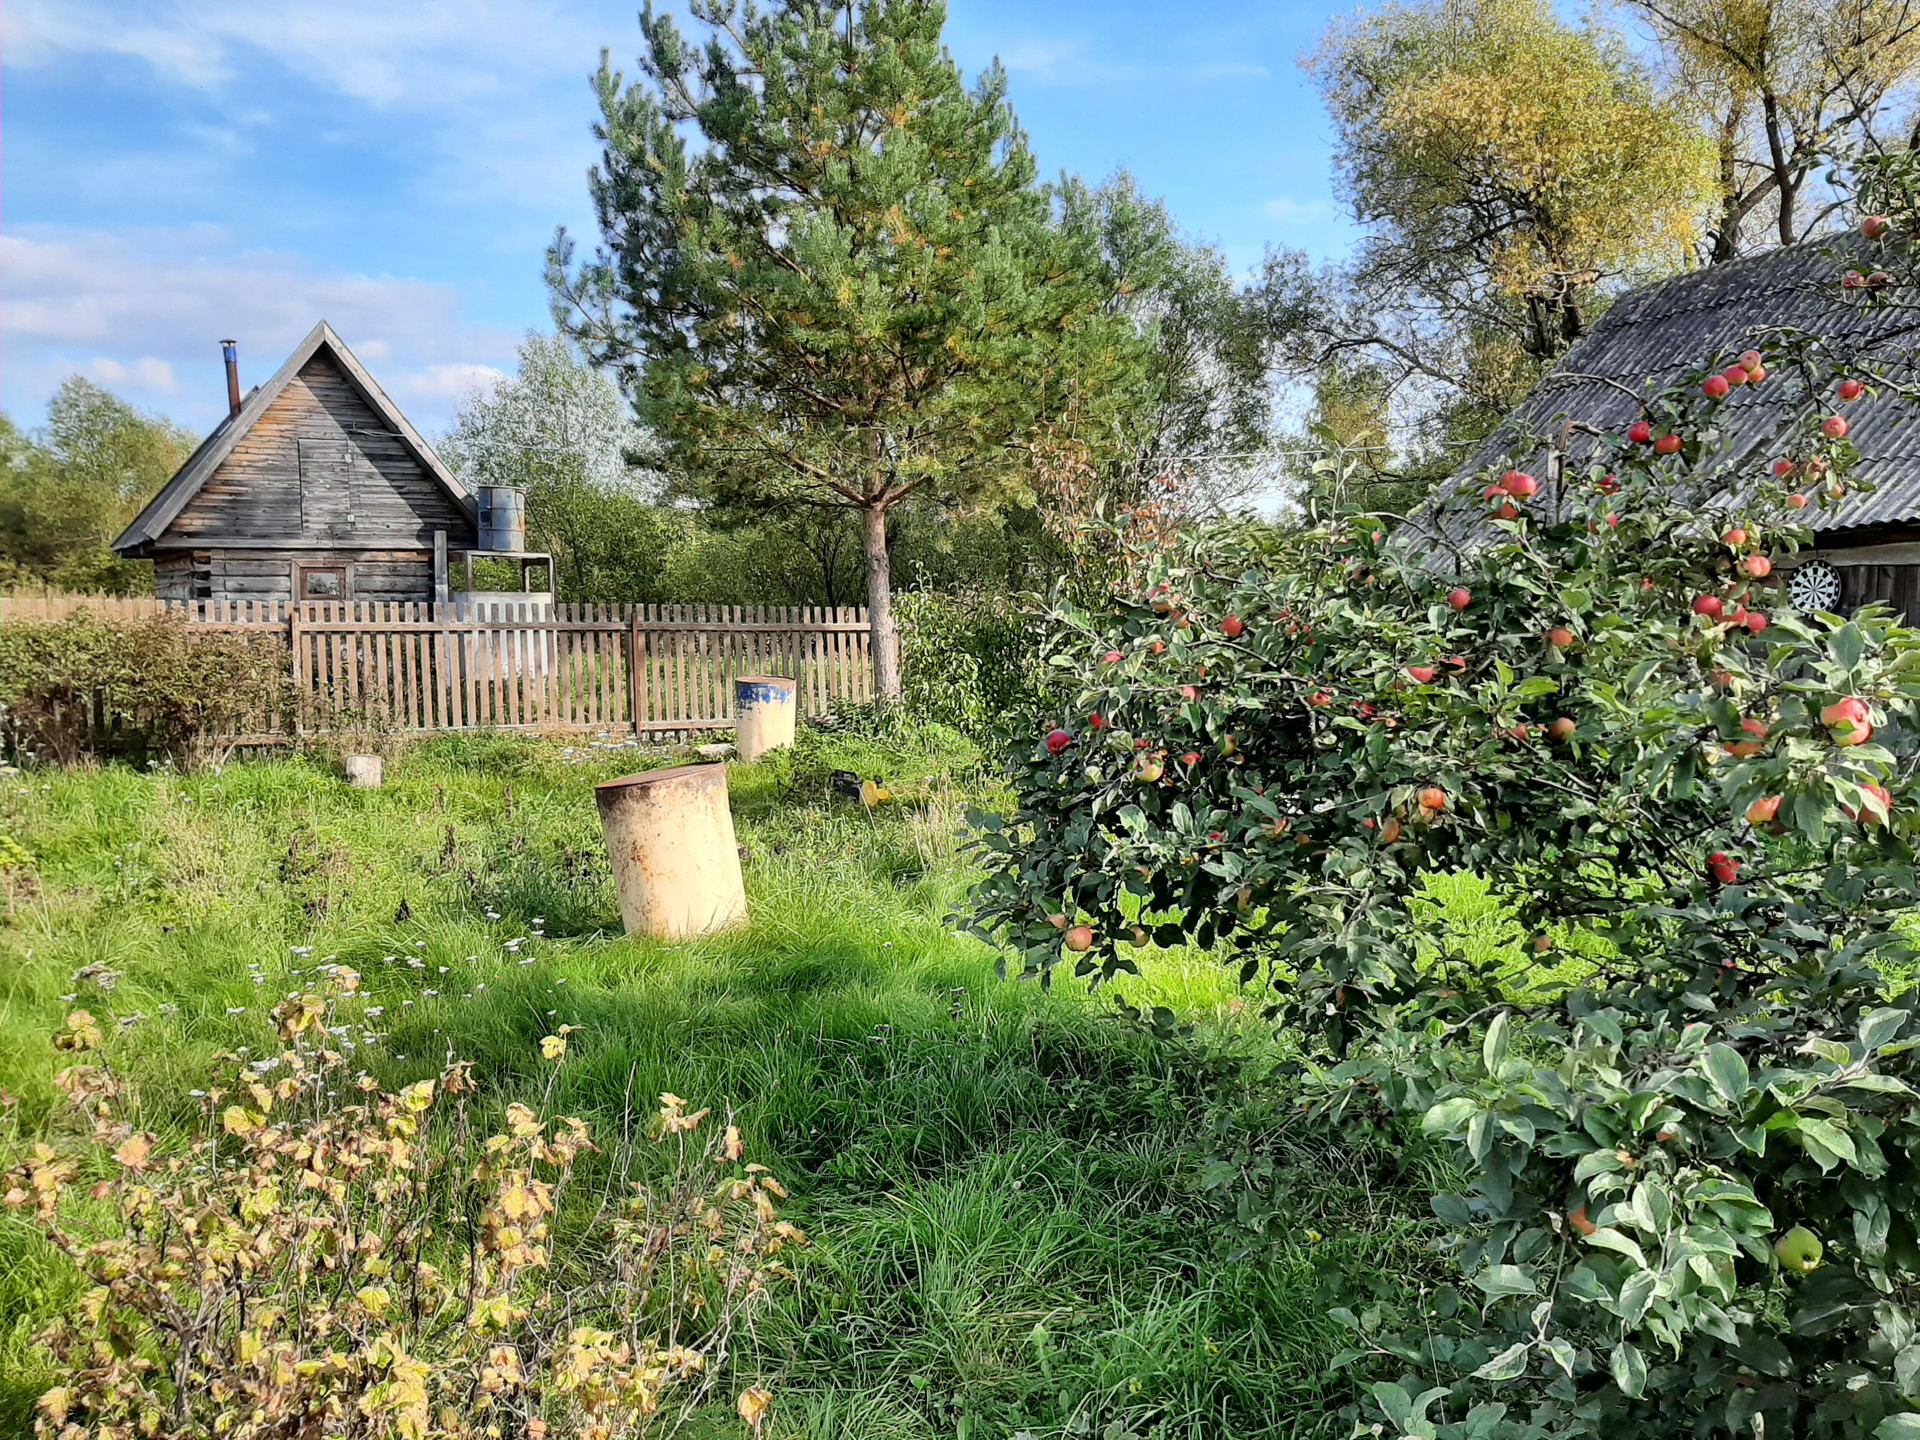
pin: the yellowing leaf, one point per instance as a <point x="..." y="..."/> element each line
<point x="134" y="1150"/>
<point x="753" y="1405"/>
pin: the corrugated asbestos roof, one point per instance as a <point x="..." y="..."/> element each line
<point x="1651" y="336"/>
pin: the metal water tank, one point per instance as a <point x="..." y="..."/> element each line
<point x="503" y="518"/>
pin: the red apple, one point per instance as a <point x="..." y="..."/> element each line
<point x="1058" y="740"/>
<point x="1723" y="867"/>
<point x="1079" y="938"/>
<point x="1506" y="511"/>
<point x="1192" y="757"/>
<point x="1639" y="432"/>
<point x="1520" y="485"/>
<point x="1422" y="674"/>
<point x="1095" y="721"/>
<point x="1735" y="537"/>
<point x="1708" y="605"/>
<point x="1519" y="732"/>
<point x="1848" y="721"/>
<point x="1879" y="793"/>
<point x="1762" y="811"/>
<point x="1796" y="502"/>
<point x="1850" y="710"/>
<point x="1668" y="444"/>
<point x="1390" y="831"/>
<point x="1493" y="490"/>
<point x="1852" y="280"/>
<point x="1784" y="467"/>
<point x="1851" y="390"/>
<point x="1156" y="647"/>
<point x="1878" y="280"/>
<point x="1715" y="387"/>
<point x="1834" y="427"/>
<point x="1459" y="597"/>
<point x="1232" y="627"/>
<point x="1750" y="361"/>
<point x="1562" y="728"/>
<point x="1432" y="797"/>
<point x="1112" y="657"/>
<point x="1744" y="748"/>
<point x="1874" y="226"/>
<point x="1458" y="662"/>
<point x="1560" y="637"/>
<point x="1759" y="566"/>
<point x="1189" y="692"/>
<point x="1735" y="374"/>
<point x="1756" y="622"/>
<point x="1150" y="769"/>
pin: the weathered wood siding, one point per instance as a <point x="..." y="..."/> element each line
<point x="1894" y="585"/>
<point x="320" y="469"/>
<point x="235" y="574"/>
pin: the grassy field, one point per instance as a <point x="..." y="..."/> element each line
<point x="1010" y="1237"/>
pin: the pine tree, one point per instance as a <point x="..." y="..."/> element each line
<point x="828" y="277"/>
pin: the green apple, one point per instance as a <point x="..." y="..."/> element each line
<point x="1799" y="1250"/>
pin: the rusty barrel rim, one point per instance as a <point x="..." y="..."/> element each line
<point x="666" y="774"/>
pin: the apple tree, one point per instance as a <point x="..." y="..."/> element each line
<point x="1689" y="1125"/>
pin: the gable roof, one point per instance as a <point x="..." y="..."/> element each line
<point x="1653" y="335"/>
<point x="161" y="511"/>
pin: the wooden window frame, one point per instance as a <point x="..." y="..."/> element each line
<point x="301" y="572"/>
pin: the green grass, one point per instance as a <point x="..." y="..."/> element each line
<point x="1000" y="1183"/>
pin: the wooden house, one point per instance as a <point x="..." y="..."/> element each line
<point x="1867" y="547"/>
<point x="315" y="487"/>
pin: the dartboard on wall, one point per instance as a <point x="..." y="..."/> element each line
<point x="1814" y="586"/>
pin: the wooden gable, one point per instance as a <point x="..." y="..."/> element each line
<point x="319" y="467"/>
<point x="318" y="457"/>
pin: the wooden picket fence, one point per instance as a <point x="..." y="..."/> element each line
<point x="653" y="670"/>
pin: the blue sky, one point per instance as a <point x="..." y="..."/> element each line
<point x="178" y="171"/>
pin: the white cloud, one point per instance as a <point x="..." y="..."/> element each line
<point x="145" y="373"/>
<point x="143" y="312"/>
<point x="1067" y="60"/>
<point x="1285" y="207"/>
<point x="495" y="89"/>
<point x="416" y="54"/>
<point x="449" y="382"/>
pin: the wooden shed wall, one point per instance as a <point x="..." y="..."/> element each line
<point x="320" y="468"/>
<point x="1894" y="585"/>
<point x="232" y="574"/>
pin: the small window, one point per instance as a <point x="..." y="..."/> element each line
<point x="323" y="584"/>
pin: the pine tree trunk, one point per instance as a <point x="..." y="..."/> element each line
<point x="886" y="646"/>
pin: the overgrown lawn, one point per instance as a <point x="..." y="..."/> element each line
<point x="1003" y="1187"/>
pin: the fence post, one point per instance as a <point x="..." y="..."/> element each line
<point x="293" y="661"/>
<point x="636" y="675"/>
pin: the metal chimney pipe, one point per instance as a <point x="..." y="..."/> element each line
<point x="231" y="354"/>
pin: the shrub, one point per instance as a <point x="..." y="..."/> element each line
<point x="328" y="1259"/>
<point x="1691" y="1130"/>
<point x="88" y="684"/>
<point x="969" y="661"/>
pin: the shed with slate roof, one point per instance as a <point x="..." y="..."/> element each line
<point x="1868" y="546"/>
<point x="314" y="487"/>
